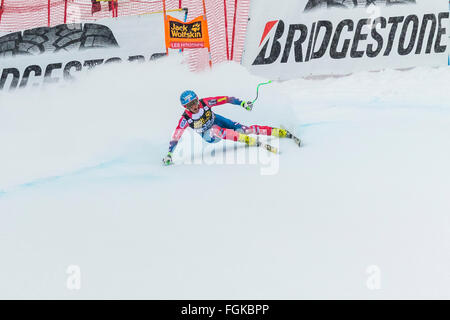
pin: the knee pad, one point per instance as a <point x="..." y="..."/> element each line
<point x="242" y="129"/>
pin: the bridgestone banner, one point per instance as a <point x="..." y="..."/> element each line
<point x="52" y="54"/>
<point x="313" y="37"/>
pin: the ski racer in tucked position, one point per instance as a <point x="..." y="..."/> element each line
<point x="213" y="127"/>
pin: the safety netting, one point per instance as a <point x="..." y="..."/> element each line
<point x="227" y="20"/>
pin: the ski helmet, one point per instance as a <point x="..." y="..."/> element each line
<point x="188" y="96"/>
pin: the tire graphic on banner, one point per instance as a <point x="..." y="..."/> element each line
<point x="65" y="37"/>
<point x="346" y="4"/>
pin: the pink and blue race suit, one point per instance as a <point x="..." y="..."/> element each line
<point x="213" y="127"/>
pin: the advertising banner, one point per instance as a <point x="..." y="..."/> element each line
<point x="298" y="38"/>
<point x="51" y="54"/>
<point x="192" y="34"/>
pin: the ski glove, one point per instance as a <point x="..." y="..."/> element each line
<point x="248" y="105"/>
<point x="168" y="159"/>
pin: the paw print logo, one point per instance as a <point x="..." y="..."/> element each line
<point x="196" y="27"/>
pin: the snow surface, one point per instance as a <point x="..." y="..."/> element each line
<point x="82" y="184"/>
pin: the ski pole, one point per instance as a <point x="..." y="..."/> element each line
<point x="257" y="89"/>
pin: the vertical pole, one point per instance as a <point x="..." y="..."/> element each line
<point x="179" y="4"/>
<point x="165" y="22"/>
<point x="2" y="5"/>
<point x="65" y="11"/>
<point x="209" y="46"/>
<point x="48" y="9"/>
<point x="234" y="29"/>
<point x="117" y="8"/>
<point x="185" y="20"/>
<point x="226" y="27"/>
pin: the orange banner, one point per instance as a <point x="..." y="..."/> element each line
<point x="191" y="34"/>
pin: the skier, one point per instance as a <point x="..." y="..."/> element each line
<point x="213" y="127"/>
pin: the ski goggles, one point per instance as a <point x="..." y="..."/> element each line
<point x="191" y="104"/>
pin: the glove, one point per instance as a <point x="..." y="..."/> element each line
<point x="247" y="105"/>
<point x="167" y="161"/>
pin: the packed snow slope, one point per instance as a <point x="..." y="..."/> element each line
<point x="360" y="211"/>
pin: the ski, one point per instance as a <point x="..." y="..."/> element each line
<point x="268" y="147"/>
<point x="294" y="138"/>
